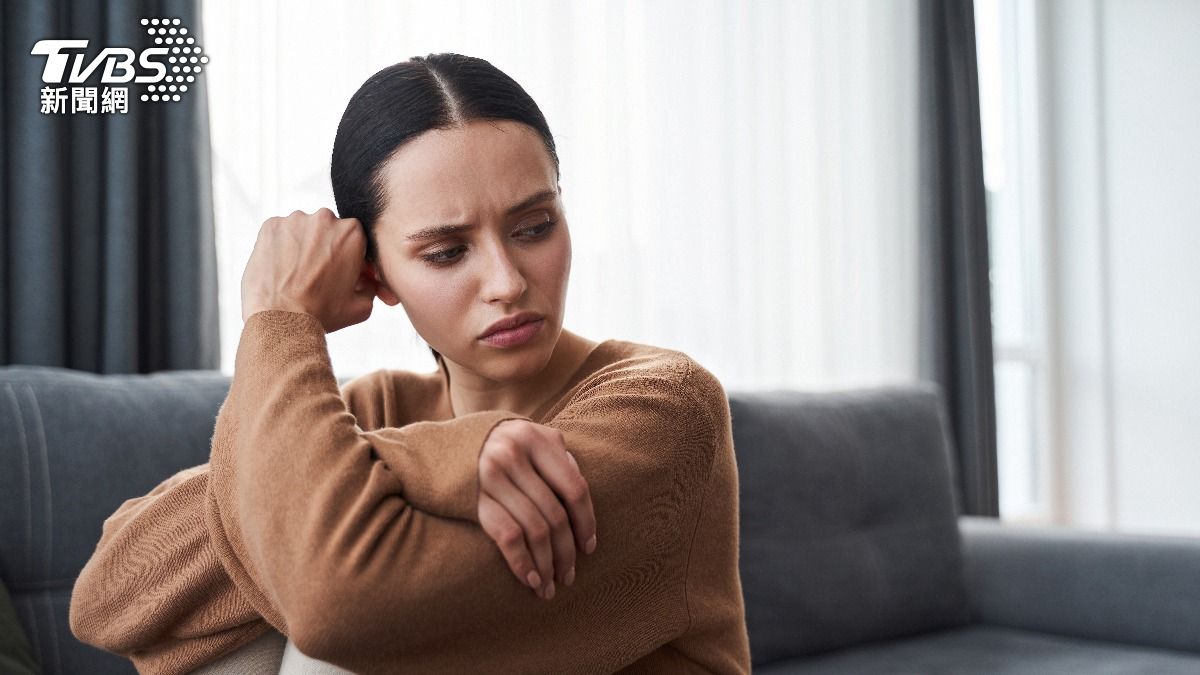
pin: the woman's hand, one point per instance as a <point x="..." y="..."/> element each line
<point x="312" y="263"/>
<point x="534" y="503"/>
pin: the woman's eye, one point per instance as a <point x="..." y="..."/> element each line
<point x="540" y="228"/>
<point x="436" y="258"/>
<point x="443" y="258"/>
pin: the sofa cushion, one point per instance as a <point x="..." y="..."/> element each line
<point x="848" y="521"/>
<point x="79" y="444"/>
<point x="296" y="662"/>
<point x="990" y="650"/>
<point x="262" y="656"/>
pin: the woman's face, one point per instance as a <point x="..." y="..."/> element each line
<point x="507" y="253"/>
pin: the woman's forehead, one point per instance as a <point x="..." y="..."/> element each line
<point x="461" y="174"/>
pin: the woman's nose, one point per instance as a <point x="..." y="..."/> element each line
<point x="503" y="280"/>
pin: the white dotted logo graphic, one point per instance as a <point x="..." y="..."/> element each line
<point x="185" y="62"/>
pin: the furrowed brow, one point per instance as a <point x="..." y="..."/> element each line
<point x="436" y="231"/>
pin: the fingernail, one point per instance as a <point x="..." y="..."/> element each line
<point x="534" y="580"/>
<point x="570" y="576"/>
<point x="550" y="591"/>
<point x="591" y="545"/>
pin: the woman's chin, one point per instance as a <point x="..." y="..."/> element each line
<point x="521" y="363"/>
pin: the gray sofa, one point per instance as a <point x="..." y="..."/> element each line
<point x="853" y="557"/>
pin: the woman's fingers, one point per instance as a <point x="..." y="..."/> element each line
<point x="562" y="541"/>
<point x="499" y="524"/>
<point x="561" y="471"/>
<point x="533" y="525"/>
<point x="527" y="472"/>
<point x="588" y="516"/>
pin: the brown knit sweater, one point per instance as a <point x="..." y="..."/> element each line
<point x="346" y="519"/>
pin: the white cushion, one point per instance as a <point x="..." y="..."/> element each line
<point x="269" y="654"/>
<point x="260" y="657"/>
<point x="296" y="662"/>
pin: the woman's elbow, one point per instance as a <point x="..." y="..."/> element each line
<point x="95" y="622"/>
<point x="332" y="613"/>
<point x="82" y="620"/>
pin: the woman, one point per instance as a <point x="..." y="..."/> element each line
<point x="437" y="522"/>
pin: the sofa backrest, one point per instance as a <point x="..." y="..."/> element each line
<point x="73" y="447"/>
<point x="848" y="518"/>
<point x="848" y="527"/>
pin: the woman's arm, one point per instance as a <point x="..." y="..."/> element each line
<point x="315" y="529"/>
<point x="154" y="589"/>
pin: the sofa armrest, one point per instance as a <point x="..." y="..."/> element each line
<point x="1133" y="589"/>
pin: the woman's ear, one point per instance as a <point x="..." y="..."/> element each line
<point x="382" y="290"/>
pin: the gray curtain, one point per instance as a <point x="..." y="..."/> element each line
<point x="956" y="315"/>
<point x="107" y="254"/>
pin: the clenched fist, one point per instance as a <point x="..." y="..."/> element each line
<point x="314" y="263"/>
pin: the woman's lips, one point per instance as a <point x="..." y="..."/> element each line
<point x="514" y="337"/>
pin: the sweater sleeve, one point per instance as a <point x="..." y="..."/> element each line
<point x="314" y="527"/>
<point x="154" y="591"/>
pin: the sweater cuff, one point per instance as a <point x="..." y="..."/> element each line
<point x="285" y="319"/>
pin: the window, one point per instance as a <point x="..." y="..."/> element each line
<point x="1010" y="111"/>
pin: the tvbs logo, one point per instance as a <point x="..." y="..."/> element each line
<point x="117" y="61"/>
<point x="166" y="69"/>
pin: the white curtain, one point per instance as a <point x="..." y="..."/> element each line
<point x="739" y="177"/>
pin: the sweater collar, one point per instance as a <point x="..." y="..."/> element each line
<point x="593" y="361"/>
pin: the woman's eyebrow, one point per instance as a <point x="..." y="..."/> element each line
<point x="436" y="231"/>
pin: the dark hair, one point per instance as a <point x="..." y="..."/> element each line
<point x="402" y="101"/>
